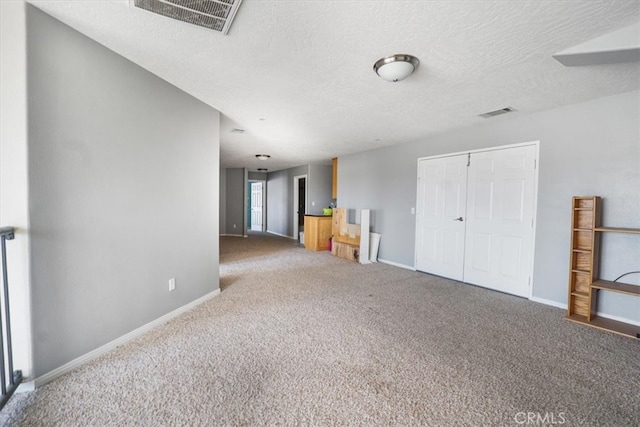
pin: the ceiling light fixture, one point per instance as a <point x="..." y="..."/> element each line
<point x="237" y="130"/>
<point x="396" y="67"/>
<point x="262" y="169"/>
<point x="263" y="156"/>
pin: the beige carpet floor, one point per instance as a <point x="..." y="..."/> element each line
<point x="302" y="338"/>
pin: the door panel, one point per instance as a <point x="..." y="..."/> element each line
<point x="513" y="202"/>
<point x="499" y="233"/>
<point x="481" y="248"/>
<point x="451" y="247"/>
<point x="483" y="195"/>
<point x="440" y="202"/>
<point x="510" y="256"/>
<point x="256" y="206"/>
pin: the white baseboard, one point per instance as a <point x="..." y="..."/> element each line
<point x="599" y="314"/>
<point x="26" y="386"/>
<point x="619" y="319"/>
<point x="395" y="264"/>
<point x="281" y="235"/>
<point x="75" y="363"/>
<point x="549" y="302"/>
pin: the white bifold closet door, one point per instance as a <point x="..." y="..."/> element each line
<point x="475" y="218"/>
<point x="441" y="205"/>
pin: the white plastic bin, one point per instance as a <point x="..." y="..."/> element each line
<point x="374" y="245"/>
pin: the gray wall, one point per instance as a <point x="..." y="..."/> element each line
<point x="123" y="182"/>
<point x="319" y="187"/>
<point x="222" y="220"/>
<point x="257" y="176"/>
<point x="235" y="201"/>
<point x="591" y="148"/>
<point x="280" y="199"/>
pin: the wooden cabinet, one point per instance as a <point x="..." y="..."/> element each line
<point x="317" y="232"/>
<point x="584" y="282"/>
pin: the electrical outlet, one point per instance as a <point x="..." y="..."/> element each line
<point x="172" y="285"/>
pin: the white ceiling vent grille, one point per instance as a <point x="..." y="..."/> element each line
<point x="214" y="14"/>
<point x="497" y="112"/>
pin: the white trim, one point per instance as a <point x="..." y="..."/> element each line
<point x="281" y="235"/>
<point x="26" y="386"/>
<point x="232" y="235"/>
<point x="599" y="314"/>
<point x="79" y="361"/>
<point x="548" y="302"/>
<point x="264" y="204"/>
<point x="481" y="150"/>
<point x="536" y="175"/>
<point x="365" y="215"/>
<point x="245" y="205"/>
<point x="395" y="264"/>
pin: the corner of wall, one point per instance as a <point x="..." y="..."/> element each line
<point x="14" y="192"/>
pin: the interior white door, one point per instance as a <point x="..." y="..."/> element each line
<point x="499" y="226"/>
<point x="256" y="206"/>
<point x="440" y="213"/>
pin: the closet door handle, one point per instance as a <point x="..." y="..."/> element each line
<point x="459" y="219"/>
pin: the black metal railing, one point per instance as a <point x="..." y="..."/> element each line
<point x="10" y="379"/>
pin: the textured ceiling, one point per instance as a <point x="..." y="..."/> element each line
<point x="297" y="75"/>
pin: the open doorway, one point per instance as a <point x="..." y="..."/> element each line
<point x="299" y="204"/>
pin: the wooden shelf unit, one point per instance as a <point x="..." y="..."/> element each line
<point x="623" y="288"/>
<point x="584" y="284"/>
<point x="584" y="244"/>
<point x="610" y="325"/>
<point x="350" y="241"/>
<point x="618" y="230"/>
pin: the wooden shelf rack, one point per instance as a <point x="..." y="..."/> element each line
<point x="584" y="284"/>
<point x="350" y="241"/>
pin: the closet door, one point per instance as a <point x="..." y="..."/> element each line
<point x="441" y="199"/>
<point x="499" y="227"/>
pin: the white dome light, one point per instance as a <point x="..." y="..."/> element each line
<point x="396" y="67"/>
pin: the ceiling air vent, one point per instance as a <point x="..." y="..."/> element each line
<point x="497" y="112"/>
<point x="214" y="14"/>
